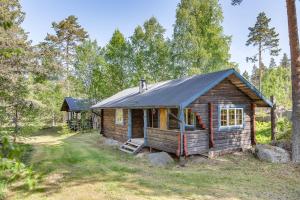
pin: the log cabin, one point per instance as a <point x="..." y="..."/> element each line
<point x="201" y="114"/>
<point x="78" y="115"/>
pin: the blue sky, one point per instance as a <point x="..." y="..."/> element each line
<point x="101" y="17"/>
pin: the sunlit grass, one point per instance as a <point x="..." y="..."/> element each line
<point x="80" y="166"/>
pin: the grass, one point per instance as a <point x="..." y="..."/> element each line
<point x="80" y="166"/>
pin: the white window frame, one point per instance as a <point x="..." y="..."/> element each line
<point x="185" y="117"/>
<point x="228" y="117"/>
<point x="119" y="121"/>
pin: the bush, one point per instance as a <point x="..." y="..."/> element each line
<point x="11" y="167"/>
<point x="64" y="129"/>
<point x="284" y="129"/>
<point x="263" y="132"/>
<point x="9" y="150"/>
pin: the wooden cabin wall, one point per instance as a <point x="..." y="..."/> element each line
<point x="112" y="130"/>
<point x="120" y="132"/>
<point x="164" y="140"/>
<point x="225" y="93"/>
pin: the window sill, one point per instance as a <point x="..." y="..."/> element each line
<point x="230" y="128"/>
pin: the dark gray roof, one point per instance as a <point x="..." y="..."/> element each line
<point x="173" y="93"/>
<point x="76" y="105"/>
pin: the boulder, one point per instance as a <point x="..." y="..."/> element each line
<point x="272" y="153"/>
<point x="160" y="159"/>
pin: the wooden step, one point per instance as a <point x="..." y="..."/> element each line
<point x="126" y="151"/>
<point x="125" y="146"/>
<point x="131" y="147"/>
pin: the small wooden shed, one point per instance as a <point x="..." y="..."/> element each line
<point x="77" y="113"/>
<point x="201" y="114"/>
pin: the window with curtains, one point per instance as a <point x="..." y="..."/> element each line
<point x="231" y="117"/>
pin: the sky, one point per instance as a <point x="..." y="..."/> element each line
<point x="101" y="17"/>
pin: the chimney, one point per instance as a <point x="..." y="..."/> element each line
<point x="143" y="85"/>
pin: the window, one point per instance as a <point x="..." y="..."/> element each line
<point x="231" y="117"/>
<point x="119" y="116"/>
<point x="153" y="120"/>
<point x="189" y="117"/>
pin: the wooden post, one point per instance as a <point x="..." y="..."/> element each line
<point x="185" y="146"/>
<point x="182" y="129"/>
<point x="145" y="128"/>
<point x="101" y="121"/>
<point x="129" y="131"/>
<point x="253" y="129"/>
<point x="211" y="126"/>
<point x="273" y="119"/>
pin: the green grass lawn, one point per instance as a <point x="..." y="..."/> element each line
<point x="80" y="166"/>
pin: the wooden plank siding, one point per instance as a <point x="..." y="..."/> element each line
<point x="112" y="130"/>
<point x="196" y="142"/>
<point x="119" y="132"/>
<point x="225" y="93"/>
<point x="164" y="140"/>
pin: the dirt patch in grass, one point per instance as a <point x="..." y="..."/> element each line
<point x="80" y="166"/>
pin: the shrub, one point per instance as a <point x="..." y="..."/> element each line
<point x="11" y="167"/>
<point x="284" y="129"/>
<point x="64" y="129"/>
<point x="8" y="149"/>
<point x="263" y="132"/>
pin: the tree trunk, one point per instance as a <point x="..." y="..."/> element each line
<point x="259" y="67"/>
<point x="16" y="124"/>
<point x="295" y="73"/>
<point x="68" y="68"/>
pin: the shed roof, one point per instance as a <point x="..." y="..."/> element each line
<point x="180" y="92"/>
<point x="76" y="105"/>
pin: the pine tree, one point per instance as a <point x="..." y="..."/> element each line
<point x="199" y="44"/>
<point x="272" y="63"/>
<point x="16" y="62"/>
<point x="285" y="61"/>
<point x="246" y="75"/>
<point x="295" y="74"/>
<point x="264" y="37"/>
<point x="255" y="76"/>
<point x="68" y="35"/>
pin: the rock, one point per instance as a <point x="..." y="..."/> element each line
<point x="272" y="154"/>
<point x="284" y="144"/>
<point x="111" y="142"/>
<point x="160" y="159"/>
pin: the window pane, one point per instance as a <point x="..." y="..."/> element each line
<point x="231" y="117"/>
<point x="119" y="116"/>
<point x="223" y="117"/>
<point x="189" y="117"/>
<point x="239" y="117"/>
